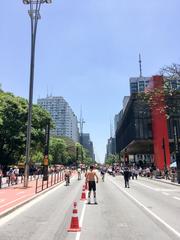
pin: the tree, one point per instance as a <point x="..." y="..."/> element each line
<point x="58" y="151"/>
<point x="13" y="125"/>
<point x="171" y="72"/>
<point x="110" y="160"/>
<point x="12" y="128"/>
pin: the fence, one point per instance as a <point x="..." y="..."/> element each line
<point x="53" y="179"/>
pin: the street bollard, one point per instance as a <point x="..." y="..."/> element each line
<point x="0" y="181"/>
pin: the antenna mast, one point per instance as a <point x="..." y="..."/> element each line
<point x="81" y="123"/>
<point x="140" y="65"/>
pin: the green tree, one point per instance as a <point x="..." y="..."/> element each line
<point x="58" y="151"/>
<point x="13" y="125"/>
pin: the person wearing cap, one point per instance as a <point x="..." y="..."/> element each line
<point x="91" y="179"/>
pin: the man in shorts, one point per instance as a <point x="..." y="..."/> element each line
<point x="90" y="179"/>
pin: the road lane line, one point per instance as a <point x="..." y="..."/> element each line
<point x="176" y="198"/>
<point x="154" y="189"/>
<point x="30" y="204"/>
<point x="81" y="220"/>
<point x="6" y="204"/>
<point x="19" y="193"/>
<point x="165" y="193"/>
<point x="148" y="210"/>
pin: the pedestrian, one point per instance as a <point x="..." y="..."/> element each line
<point x="91" y="176"/>
<point x="16" y="173"/>
<point x="126" y="177"/>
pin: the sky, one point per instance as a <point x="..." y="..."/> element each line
<point x="86" y="51"/>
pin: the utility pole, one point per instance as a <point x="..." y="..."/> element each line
<point x="34" y="13"/>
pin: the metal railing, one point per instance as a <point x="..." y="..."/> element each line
<point x="53" y="179"/>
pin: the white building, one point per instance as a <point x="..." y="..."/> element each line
<point x="66" y="123"/>
<point x="138" y="84"/>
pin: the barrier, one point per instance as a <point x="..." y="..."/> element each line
<point x="53" y="179"/>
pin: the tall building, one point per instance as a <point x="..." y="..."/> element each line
<point x="111" y="147"/>
<point x="138" y="84"/>
<point x="88" y="144"/>
<point x="65" y="120"/>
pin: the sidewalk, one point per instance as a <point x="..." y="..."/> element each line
<point x="15" y="196"/>
<point x="12" y="196"/>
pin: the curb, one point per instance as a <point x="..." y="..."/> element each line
<point x="12" y="209"/>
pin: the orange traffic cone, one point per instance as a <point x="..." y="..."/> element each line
<point x="83" y="195"/>
<point x="74" y="227"/>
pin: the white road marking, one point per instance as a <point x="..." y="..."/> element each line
<point x="152" y="188"/>
<point x="156" y="189"/>
<point x="148" y="210"/>
<point x="177" y="198"/>
<point x="81" y="220"/>
<point x="2" y="200"/>
<point x="6" y="204"/>
<point x="165" y="193"/>
<point x="20" y="210"/>
<point x="19" y="193"/>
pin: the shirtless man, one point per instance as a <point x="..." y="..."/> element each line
<point x="90" y="179"/>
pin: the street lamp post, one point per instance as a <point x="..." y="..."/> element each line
<point x="34" y="13"/>
<point x="164" y="152"/>
<point x="177" y="150"/>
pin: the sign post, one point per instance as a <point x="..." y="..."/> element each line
<point x="46" y="152"/>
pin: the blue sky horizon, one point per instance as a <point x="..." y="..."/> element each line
<point x="87" y="51"/>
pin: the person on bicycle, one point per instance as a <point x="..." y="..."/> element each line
<point x="91" y="176"/>
<point x="67" y="174"/>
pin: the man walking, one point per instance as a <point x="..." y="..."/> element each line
<point x="90" y="179"/>
<point x="126" y="177"/>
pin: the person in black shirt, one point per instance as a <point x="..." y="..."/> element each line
<point x="126" y="177"/>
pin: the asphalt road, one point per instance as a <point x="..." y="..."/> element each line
<point x="146" y="210"/>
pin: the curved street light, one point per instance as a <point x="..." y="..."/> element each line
<point x="34" y="13"/>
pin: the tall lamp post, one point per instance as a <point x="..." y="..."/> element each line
<point x="34" y="13"/>
<point x="177" y="150"/>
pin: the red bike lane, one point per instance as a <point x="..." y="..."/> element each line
<point x="12" y="196"/>
<point x="17" y="195"/>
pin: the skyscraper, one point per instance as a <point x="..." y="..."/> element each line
<point x="65" y="120"/>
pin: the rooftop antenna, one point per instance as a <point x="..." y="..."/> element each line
<point x="140" y="65"/>
<point x="81" y="123"/>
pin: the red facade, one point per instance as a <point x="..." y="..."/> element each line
<point x="159" y="124"/>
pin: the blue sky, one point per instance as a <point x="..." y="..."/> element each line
<point x="86" y="51"/>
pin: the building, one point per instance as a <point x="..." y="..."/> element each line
<point x="125" y="102"/>
<point x="111" y="147"/>
<point x="65" y="120"/>
<point x="145" y="131"/>
<point x="88" y="144"/>
<point x="138" y="84"/>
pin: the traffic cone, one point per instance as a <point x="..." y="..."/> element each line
<point x="74" y="227"/>
<point x="83" y="195"/>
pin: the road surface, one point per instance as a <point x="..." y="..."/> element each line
<point x="146" y="210"/>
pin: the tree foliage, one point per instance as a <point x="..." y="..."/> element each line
<point x="13" y="125"/>
<point x="158" y="97"/>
